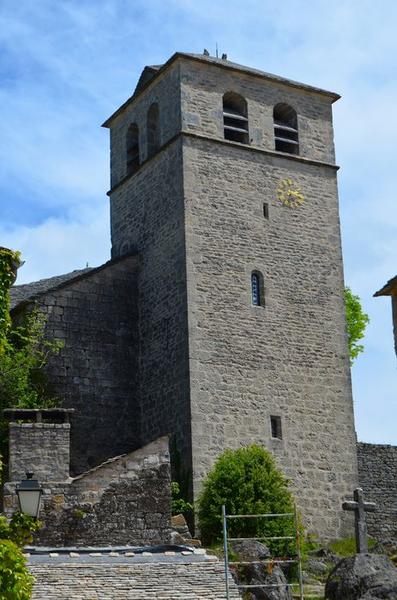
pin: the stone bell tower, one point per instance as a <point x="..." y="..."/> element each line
<point x="223" y="180"/>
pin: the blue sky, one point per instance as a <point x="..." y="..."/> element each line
<point x="65" y="66"/>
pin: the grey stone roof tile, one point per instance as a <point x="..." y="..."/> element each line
<point x="29" y="291"/>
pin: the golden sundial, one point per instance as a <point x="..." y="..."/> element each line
<point x="289" y="194"/>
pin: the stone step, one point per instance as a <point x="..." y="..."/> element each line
<point x="191" y="581"/>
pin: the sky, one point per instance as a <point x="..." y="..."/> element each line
<point x="65" y="66"/>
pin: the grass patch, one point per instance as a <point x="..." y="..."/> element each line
<point x="347" y="546"/>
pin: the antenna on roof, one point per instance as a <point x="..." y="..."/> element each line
<point x="217" y="50"/>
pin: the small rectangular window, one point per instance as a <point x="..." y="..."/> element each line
<point x="266" y="210"/>
<point x="275" y="423"/>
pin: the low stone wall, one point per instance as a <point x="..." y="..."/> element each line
<point x="42" y="448"/>
<point x="126" y="500"/>
<point x="377" y="470"/>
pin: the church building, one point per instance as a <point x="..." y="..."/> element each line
<point x="219" y="319"/>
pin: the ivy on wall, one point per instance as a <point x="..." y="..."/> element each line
<point x="10" y="260"/>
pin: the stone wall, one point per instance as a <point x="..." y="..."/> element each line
<point x="124" y="501"/>
<point x="377" y="469"/>
<point x="147" y="211"/>
<point x="288" y="358"/>
<point x="41" y="448"/>
<point x="96" y="371"/>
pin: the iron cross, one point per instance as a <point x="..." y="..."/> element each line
<point x="360" y="508"/>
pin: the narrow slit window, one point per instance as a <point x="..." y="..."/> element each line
<point x="266" y="210"/>
<point x="285" y="129"/>
<point x="153" y="130"/>
<point x="256" y="292"/>
<point x="235" y="118"/>
<point x="133" y="159"/>
<point x="275" y="424"/>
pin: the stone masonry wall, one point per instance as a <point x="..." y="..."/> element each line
<point x="96" y="370"/>
<point x="124" y="501"/>
<point x="288" y="358"/>
<point x="377" y="470"/>
<point x="42" y="448"/>
<point x="148" y="211"/>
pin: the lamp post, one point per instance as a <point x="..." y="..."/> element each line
<point x="29" y="496"/>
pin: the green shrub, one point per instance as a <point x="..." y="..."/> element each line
<point x="247" y="482"/>
<point x="15" y="580"/>
<point x="19" y="529"/>
<point x="179" y="504"/>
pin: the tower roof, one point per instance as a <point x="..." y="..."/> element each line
<point x="149" y="73"/>
<point x="389" y="289"/>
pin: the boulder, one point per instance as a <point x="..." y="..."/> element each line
<point x="260" y="574"/>
<point x="249" y="550"/>
<point x="362" y="577"/>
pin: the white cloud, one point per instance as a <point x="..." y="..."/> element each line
<point x="59" y="246"/>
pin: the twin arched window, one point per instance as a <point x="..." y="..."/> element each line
<point x="235" y="123"/>
<point x="153" y="139"/>
<point x="285" y="129"/>
<point x="235" y="118"/>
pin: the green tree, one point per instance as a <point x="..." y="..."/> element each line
<point x="247" y="481"/>
<point x="357" y="320"/>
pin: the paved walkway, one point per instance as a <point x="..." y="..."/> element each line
<point x="129" y="576"/>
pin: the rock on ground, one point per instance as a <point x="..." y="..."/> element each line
<point x="258" y="574"/>
<point x="362" y="577"/>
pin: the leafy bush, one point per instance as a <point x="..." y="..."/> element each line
<point x="19" y="529"/>
<point x="179" y="504"/>
<point x="15" y="580"/>
<point x="247" y="481"/>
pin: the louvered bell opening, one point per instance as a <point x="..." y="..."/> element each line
<point x="285" y="129"/>
<point x="235" y="126"/>
<point x="286" y="138"/>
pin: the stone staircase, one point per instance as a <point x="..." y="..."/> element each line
<point x="145" y="581"/>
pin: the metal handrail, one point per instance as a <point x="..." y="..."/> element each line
<point x="296" y="560"/>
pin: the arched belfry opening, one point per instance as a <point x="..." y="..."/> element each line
<point x="153" y="129"/>
<point x="133" y="159"/>
<point x="235" y="118"/>
<point x="285" y="129"/>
